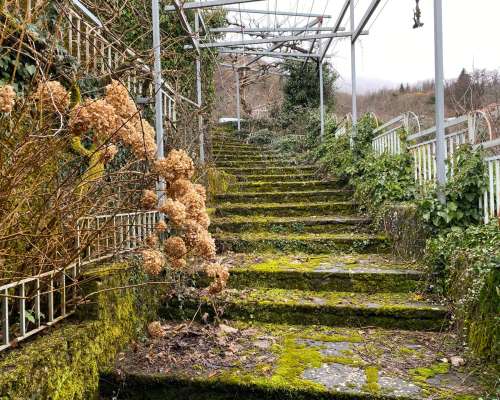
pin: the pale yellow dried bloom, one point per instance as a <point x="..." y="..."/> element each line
<point x="52" y="96"/>
<point x="205" y="246"/>
<point x="94" y="115"/>
<point x="155" y="330"/>
<point x="149" y="199"/>
<point x="7" y="98"/>
<point x="203" y="219"/>
<point x="200" y="189"/>
<point x="143" y="145"/>
<point x="179" y="263"/>
<point x="220" y="276"/>
<point x="153" y="261"/>
<point x="109" y="152"/>
<point x="175" y="210"/>
<point x="192" y="232"/>
<point x="194" y="203"/>
<point x="117" y="95"/>
<point x="175" y="248"/>
<point x="177" y="165"/>
<point x="180" y="187"/>
<point x="161" y="226"/>
<point x="152" y="240"/>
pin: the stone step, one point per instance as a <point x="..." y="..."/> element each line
<point x="340" y="309"/>
<point x="336" y="208"/>
<point x="262" y="164"/>
<point x="286" y="186"/>
<point x="258" y="361"/>
<point x="239" y="147"/>
<point x="236" y="153"/>
<point x="311" y="243"/>
<point x="276" y="177"/>
<point x="260" y="172"/>
<point x="246" y="157"/>
<point x="366" y="273"/>
<point x="287" y="197"/>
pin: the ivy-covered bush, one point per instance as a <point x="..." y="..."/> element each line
<point x="465" y="264"/>
<point x="261" y="137"/>
<point x="463" y="191"/>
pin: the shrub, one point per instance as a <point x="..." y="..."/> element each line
<point x="465" y="264"/>
<point x="261" y="137"/>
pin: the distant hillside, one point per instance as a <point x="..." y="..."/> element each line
<point x="470" y="91"/>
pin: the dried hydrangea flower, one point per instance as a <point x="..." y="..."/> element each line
<point x="97" y="116"/>
<point x="220" y="276"/>
<point x="149" y="199"/>
<point x="180" y="187"/>
<point x="153" y="261"/>
<point x="155" y="329"/>
<point x="161" y="226"/>
<point x="117" y="95"/>
<point x="205" y="246"/>
<point x="179" y="263"/>
<point x="52" y="96"/>
<point x="175" y="210"/>
<point x="152" y="240"/>
<point x="177" y="165"/>
<point x="175" y="248"/>
<point x="7" y="98"/>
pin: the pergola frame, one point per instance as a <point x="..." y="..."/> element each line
<point x="297" y="34"/>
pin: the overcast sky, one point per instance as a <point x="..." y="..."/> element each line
<point x="394" y="52"/>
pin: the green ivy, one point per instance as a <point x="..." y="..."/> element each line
<point x="463" y="191"/>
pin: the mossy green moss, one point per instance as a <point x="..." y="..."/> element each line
<point x="65" y="363"/>
<point x="423" y="373"/>
<point x="371" y="376"/>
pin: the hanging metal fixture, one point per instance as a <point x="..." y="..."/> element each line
<point x="417" y="14"/>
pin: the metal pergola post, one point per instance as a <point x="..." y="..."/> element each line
<point x="353" y="75"/>
<point x="238" y="101"/>
<point x="198" y="91"/>
<point x="155" y="6"/>
<point x="439" y="94"/>
<point x="321" y="96"/>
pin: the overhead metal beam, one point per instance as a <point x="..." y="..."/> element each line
<point x="336" y="27"/>
<point x="274" y="12"/>
<point x="208" y="4"/>
<point x="265" y="30"/>
<point x="233" y="66"/>
<point x="278" y="39"/>
<point x="186" y="25"/>
<point x="268" y="53"/>
<point x="279" y="45"/>
<point x="368" y="14"/>
<point x="88" y="13"/>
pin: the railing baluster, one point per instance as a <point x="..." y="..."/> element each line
<point x="63" y="293"/>
<point x="5" y="317"/>
<point x="22" y="309"/>
<point x="51" y="298"/>
<point x="38" y="316"/>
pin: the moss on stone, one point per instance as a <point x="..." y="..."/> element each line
<point x="371" y="376"/>
<point x="423" y="373"/>
<point x="65" y="363"/>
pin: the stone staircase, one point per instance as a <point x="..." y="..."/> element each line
<point x="317" y="307"/>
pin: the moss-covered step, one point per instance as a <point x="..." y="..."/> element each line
<point x="287" y="209"/>
<point x="312" y="243"/>
<point x="247" y="157"/>
<point x="286" y="186"/>
<point x="292" y="176"/>
<point x="257" y="361"/>
<point x="368" y="273"/>
<point x="264" y="163"/>
<point x="258" y="171"/>
<point x="349" y="309"/>
<point x="313" y="224"/>
<point x="293" y="196"/>
<point x="219" y="152"/>
<point x="235" y="148"/>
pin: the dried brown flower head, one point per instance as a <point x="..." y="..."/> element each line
<point x="179" y="188"/>
<point x="220" y="276"/>
<point x="205" y="246"/>
<point x="179" y="263"/>
<point x="152" y="240"/>
<point x="177" y="165"/>
<point x="175" y="248"/>
<point x="97" y="116"/>
<point x="200" y="189"/>
<point x="117" y="95"/>
<point x="153" y="261"/>
<point x="161" y="226"/>
<point x="149" y="199"/>
<point x="52" y="96"/>
<point x="7" y="98"/>
<point x="155" y="329"/>
<point x="175" y="210"/>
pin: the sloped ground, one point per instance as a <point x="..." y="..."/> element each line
<point x="317" y="307"/>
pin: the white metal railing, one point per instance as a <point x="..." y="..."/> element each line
<point x="388" y="136"/>
<point x="491" y="197"/>
<point x="33" y="304"/>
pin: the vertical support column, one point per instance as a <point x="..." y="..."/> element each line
<point x="238" y="112"/>
<point x="439" y="88"/>
<point x="155" y="6"/>
<point x="321" y="96"/>
<point x="353" y="75"/>
<point x="198" y="91"/>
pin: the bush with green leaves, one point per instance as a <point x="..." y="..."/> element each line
<point x="465" y="264"/>
<point x="463" y="191"/>
<point x="384" y="178"/>
<point x="261" y="137"/>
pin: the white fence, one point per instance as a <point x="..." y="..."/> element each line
<point x="33" y="304"/>
<point x="477" y="129"/>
